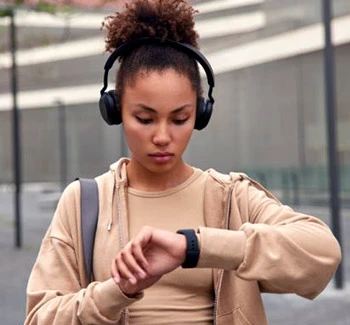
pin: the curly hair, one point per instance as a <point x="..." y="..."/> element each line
<point x="164" y="19"/>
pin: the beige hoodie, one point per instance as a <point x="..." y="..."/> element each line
<point x="284" y="252"/>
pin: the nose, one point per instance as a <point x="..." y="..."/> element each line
<point x="162" y="134"/>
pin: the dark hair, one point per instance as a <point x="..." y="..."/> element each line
<point x="164" y="19"/>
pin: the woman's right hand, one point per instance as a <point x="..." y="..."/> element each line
<point x="146" y="258"/>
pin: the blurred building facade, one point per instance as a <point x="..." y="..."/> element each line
<point x="269" y="117"/>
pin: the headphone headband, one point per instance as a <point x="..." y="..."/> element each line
<point x="110" y="102"/>
<point x="183" y="47"/>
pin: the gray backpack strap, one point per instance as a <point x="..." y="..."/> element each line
<point x="89" y="217"/>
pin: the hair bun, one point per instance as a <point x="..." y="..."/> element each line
<point x="166" y="19"/>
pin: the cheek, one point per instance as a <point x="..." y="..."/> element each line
<point x="134" y="135"/>
<point x="185" y="136"/>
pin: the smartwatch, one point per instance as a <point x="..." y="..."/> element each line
<point x="192" y="250"/>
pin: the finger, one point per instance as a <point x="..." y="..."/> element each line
<point x="140" y="243"/>
<point x="127" y="266"/>
<point x="114" y="272"/>
<point x="140" y="258"/>
<point x="132" y="264"/>
<point x="144" y="237"/>
<point x="127" y="288"/>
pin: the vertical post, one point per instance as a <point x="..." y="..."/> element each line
<point x="300" y="116"/>
<point x="16" y="132"/>
<point x="332" y="132"/>
<point x="62" y="143"/>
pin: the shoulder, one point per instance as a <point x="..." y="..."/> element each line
<point x="72" y="193"/>
<point x="229" y="179"/>
<point x="239" y="182"/>
<point x="219" y="186"/>
<point x="68" y="210"/>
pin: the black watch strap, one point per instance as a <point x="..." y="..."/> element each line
<point x="192" y="250"/>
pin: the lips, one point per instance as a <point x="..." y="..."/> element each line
<point x="161" y="154"/>
<point x="161" y="157"/>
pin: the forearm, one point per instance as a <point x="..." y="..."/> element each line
<point x="294" y="258"/>
<point x="99" y="303"/>
<point x="55" y="294"/>
<point x="219" y="248"/>
<point x="285" y="251"/>
<point x="299" y="258"/>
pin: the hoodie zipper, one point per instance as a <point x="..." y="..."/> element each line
<point x="120" y="218"/>
<point x="221" y="272"/>
<point x="121" y="237"/>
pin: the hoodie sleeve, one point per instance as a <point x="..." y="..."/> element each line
<point x="285" y="251"/>
<point x="55" y="292"/>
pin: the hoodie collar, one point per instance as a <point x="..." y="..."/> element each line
<point x="119" y="170"/>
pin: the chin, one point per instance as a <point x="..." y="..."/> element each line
<point x="160" y="168"/>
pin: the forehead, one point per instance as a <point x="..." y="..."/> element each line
<point x="151" y="73"/>
<point x="168" y="80"/>
<point x="159" y="90"/>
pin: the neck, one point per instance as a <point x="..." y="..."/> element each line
<point x="142" y="179"/>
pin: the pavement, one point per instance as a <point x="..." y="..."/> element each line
<point x="332" y="307"/>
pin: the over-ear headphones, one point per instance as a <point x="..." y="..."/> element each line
<point x="109" y="101"/>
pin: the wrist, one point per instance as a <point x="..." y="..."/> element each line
<point x="192" y="248"/>
<point x="183" y="248"/>
<point x="129" y="293"/>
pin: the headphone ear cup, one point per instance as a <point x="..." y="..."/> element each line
<point x="110" y="108"/>
<point x="204" y="111"/>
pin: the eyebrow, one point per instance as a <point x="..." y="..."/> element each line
<point x="151" y="110"/>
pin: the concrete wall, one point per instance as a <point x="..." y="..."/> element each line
<point x="267" y="116"/>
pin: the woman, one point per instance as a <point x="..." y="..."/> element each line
<point x="232" y="238"/>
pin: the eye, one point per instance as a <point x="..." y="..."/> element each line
<point x="180" y="121"/>
<point x="144" y="120"/>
